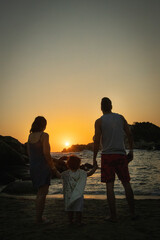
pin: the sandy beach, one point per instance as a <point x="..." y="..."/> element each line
<point x="17" y="221"/>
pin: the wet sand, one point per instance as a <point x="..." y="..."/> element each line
<point x="17" y="221"/>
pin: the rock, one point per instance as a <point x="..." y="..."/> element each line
<point x="60" y="163"/>
<point x="6" y="178"/>
<point x="20" y="172"/>
<point x="79" y="148"/>
<point x="157" y="147"/>
<point x="9" y="156"/>
<point x="14" y="144"/>
<point x="19" y="187"/>
<point x="13" y="160"/>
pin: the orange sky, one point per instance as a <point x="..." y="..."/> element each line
<point x="67" y="55"/>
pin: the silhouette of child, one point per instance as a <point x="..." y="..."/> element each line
<point x="74" y="181"/>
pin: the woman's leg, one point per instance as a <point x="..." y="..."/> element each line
<point x="40" y="202"/>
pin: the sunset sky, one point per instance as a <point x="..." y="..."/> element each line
<point x="60" y="57"/>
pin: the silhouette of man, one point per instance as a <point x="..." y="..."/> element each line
<point x="110" y="130"/>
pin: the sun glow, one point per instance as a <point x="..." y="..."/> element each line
<point x="67" y="144"/>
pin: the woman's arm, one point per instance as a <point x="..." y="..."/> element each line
<point x="46" y="151"/>
<point x="57" y="173"/>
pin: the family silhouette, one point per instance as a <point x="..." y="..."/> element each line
<point x="110" y="130"/>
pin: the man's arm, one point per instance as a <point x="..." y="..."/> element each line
<point x="97" y="138"/>
<point x="90" y="173"/>
<point x="130" y="140"/>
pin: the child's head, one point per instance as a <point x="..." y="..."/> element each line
<point x="73" y="162"/>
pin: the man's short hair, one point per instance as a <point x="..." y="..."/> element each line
<point x="106" y="104"/>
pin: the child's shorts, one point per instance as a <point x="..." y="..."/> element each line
<point x="112" y="164"/>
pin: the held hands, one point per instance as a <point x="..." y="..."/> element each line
<point x="92" y="171"/>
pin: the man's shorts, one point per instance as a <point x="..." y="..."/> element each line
<point x="112" y="164"/>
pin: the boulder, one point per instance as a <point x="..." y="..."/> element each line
<point x="20" y="172"/>
<point x="157" y="147"/>
<point x="19" y="187"/>
<point x="9" y="156"/>
<point x="14" y="143"/>
<point x="60" y="163"/>
<point x="6" y="178"/>
<point x="13" y="160"/>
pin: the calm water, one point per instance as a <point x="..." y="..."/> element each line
<point x="144" y="172"/>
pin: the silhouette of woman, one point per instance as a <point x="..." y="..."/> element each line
<point x="41" y="164"/>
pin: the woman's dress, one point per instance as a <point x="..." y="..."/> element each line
<point x="39" y="169"/>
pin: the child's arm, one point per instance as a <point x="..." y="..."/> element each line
<point x="92" y="170"/>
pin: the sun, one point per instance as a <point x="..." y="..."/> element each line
<point x="67" y="144"/>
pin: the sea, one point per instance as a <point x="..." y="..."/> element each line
<point x="144" y="172"/>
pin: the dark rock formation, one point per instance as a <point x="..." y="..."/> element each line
<point x="13" y="160"/>
<point x="19" y="187"/>
<point x="79" y="148"/>
<point x="60" y="163"/>
<point x="9" y="156"/>
<point x="14" y="144"/>
<point x="20" y="172"/>
<point x="6" y="178"/>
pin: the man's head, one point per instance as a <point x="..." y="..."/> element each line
<point x="106" y="105"/>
